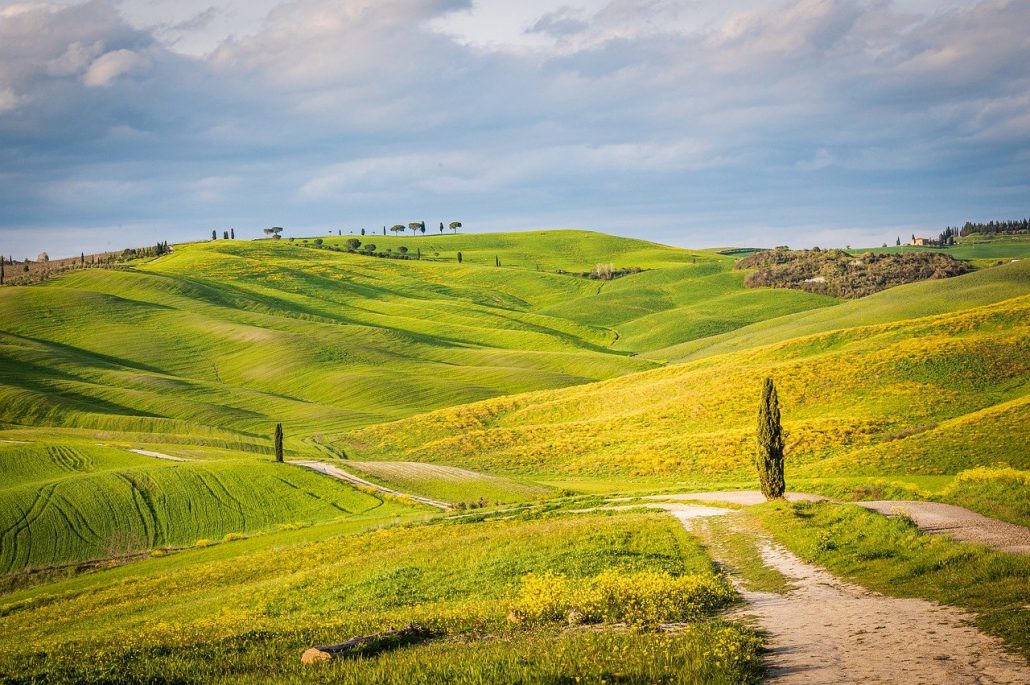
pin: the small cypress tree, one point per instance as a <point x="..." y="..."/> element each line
<point x="459" y="258"/>
<point x="497" y="261"/>
<point x="1" y="271"/>
<point x="278" y="442"/>
<point x="225" y="235"/>
<point x="232" y="233"/>
<point x="769" y="458"/>
<point x="214" y="234"/>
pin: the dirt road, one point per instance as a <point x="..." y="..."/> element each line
<point x="823" y="630"/>
<point x="158" y="455"/>
<point x="828" y="631"/>
<point x="336" y="472"/>
<point x="959" y="523"/>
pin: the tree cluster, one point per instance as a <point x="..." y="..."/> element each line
<point x="837" y="273"/>
<point x="994" y="227"/>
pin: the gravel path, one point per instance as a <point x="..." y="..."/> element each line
<point x="158" y="455"/>
<point x="959" y="523"/>
<point x="336" y="472"/>
<point x="828" y="631"/>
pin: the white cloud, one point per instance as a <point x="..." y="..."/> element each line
<point x="797" y="111"/>
<point x="8" y="100"/>
<point x="108" y="67"/>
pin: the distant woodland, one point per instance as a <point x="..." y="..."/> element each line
<point x="840" y="274"/>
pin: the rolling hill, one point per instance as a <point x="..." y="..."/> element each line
<point x="197" y="354"/>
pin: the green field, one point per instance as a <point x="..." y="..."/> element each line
<point x="247" y="616"/>
<point x="147" y="534"/>
<point x="199" y="353"/>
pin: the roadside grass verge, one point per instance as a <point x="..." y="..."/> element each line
<point x="245" y="614"/>
<point x="891" y="555"/>
<point x="739" y="551"/>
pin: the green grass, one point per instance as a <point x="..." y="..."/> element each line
<point x="854" y="401"/>
<point x="69" y="503"/>
<point x="738" y="549"/>
<point x="199" y="353"/>
<point x="891" y="555"/>
<point x="246" y="616"/>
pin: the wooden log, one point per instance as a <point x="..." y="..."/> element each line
<point x="314" y="655"/>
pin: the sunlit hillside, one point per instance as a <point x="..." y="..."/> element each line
<point x="843" y="392"/>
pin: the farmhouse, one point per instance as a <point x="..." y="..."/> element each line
<point x="926" y="242"/>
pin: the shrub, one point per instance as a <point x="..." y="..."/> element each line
<point x="643" y="600"/>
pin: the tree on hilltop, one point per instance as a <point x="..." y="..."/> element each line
<point x="414" y="226"/>
<point x="274" y="232"/>
<point x="769" y="458"/>
<point x="397" y="228"/>
<point x="455" y="225"/>
<point x="214" y="234"/>
<point x="441" y="227"/>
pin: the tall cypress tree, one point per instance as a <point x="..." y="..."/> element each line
<point x="769" y="458"/>
<point x="278" y="442"/>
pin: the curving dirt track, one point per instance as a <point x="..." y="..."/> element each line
<point x="336" y="472"/>
<point x="828" y="631"/>
<point x="959" y="523"/>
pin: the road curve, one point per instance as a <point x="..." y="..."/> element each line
<point x="334" y="471"/>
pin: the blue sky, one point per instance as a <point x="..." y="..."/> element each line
<point x="695" y="123"/>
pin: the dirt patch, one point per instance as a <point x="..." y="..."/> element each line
<point x="158" y="455"/>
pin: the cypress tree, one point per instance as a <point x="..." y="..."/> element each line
<point x="769" y="458"/>
<point x="459" y="258"/>
<point x="497" y="261"/>
<point x="1" y="271"/>
<point x="278" y="442"/>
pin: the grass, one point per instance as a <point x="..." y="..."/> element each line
<point x="739" y="551"/>
<point x="850" y="399"/>
<point x="71" y="503"/>
<point x="201" y="352"/>
<point x="209" y="614"/>
<point x="891" y="555"/>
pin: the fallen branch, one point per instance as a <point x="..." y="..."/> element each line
<point x="313" y="655"/>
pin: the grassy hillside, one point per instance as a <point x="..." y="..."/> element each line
<point x="199" y="353"/>
<point x="856" y="388"/>
<point x="246" y="610"/>
<point x="70" y="502"/>
<point x="905" y="302"/>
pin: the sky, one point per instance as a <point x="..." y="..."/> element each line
<point x="690" y="122"/>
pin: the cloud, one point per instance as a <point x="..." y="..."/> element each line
<point x="836" y="114"/>
<point x="109" y="66"/>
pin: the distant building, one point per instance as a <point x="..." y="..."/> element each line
<point x="925" y="242"/>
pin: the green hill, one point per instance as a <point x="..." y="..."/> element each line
<point x="841" y="391"/>
<point x="198" y="354"/>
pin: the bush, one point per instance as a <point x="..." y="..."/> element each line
<point x="837" y="273"/>
<point x="643" y="600"/>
